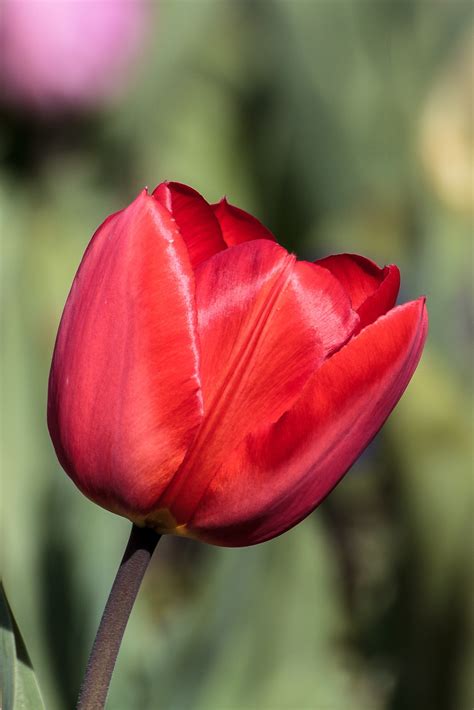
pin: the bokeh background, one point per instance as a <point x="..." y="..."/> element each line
<point x="345" y="126"/>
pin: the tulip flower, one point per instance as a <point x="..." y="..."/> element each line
<point x="205" y="382"/>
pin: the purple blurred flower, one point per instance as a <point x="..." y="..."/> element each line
<point x="59" y="54"/>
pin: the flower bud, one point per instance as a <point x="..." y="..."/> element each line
<point x="207" y="383"/>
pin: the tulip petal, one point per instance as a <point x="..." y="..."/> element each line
<point x="195" y="219"/>
<point x="280" y="474"/>
<point x="124" y="392"/>
<point x="239" y="226"/>
<point x="373" y="291"/>
<point x="265" y="323"/>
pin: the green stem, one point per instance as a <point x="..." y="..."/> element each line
<point x="137" y="555"/>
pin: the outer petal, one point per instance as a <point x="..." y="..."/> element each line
<point x="265" y="323"/>
<point x="373" y="291"/>
<point x="195" y="219"/>
<point x="280" y="474"/>
<point x="238" y="226"/>
<point x="124" y="393"/>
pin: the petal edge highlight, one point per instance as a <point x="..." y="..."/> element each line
<point x="128" y="330"/>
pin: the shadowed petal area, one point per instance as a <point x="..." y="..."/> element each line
<point x="266" y="322"/>
<point x="279" y="474"/>
<point x="124" y="392"/>
<point x="239" y="226"/>
<point x="195" y="219"/>
<point x="373" y="291"/>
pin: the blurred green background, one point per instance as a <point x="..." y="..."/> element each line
<point x="344" y="126"/>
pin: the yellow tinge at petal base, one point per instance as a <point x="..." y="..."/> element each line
<point x="163" y="522"/>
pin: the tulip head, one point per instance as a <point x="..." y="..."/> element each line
<point x="207" y="383"/>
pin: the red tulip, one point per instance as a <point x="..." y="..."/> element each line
<point x="206" y="383"/>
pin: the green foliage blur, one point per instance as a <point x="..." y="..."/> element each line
<point x="344" y="125"/>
